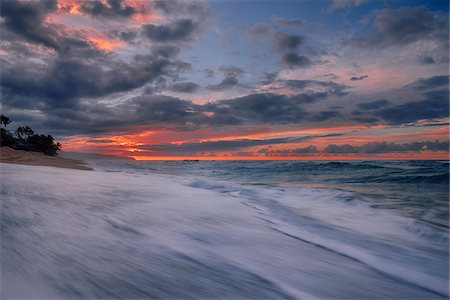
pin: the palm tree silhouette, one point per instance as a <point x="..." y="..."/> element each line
<point x="4" y="120"/>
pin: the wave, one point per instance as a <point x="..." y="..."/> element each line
<point x="82" y="234"/>
<point x="341" y="222"/>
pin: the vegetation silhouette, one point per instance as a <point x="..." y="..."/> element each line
<point x="27" y="139"/>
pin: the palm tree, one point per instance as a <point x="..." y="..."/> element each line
<point x="4" y="120"/>
<point x="28" y="131"/>
<point x="20" y="132"/>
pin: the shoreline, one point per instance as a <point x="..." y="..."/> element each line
<point x="22" y="157"/>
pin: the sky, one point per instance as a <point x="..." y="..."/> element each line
<point x="255" y="79"/>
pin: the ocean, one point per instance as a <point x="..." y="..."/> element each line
<point x="226" y="229"/>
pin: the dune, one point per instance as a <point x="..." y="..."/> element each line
<point x="11" y="156"/>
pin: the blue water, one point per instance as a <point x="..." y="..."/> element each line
<point x="226" y="229"/>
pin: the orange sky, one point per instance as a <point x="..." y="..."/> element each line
<point x="356" y="135"/>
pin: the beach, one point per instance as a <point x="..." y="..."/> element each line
<point x="11" y="156"/>
<point x="136" y="232"/>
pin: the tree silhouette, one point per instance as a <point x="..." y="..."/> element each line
<point x="27" y="139"/>
<point x="4" y="120"/>
<point x="28" y="131"/>
<point x="23" y="133"/>
<point x="20" y="133"/>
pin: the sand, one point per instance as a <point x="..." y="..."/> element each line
<point x="11" y="156"/>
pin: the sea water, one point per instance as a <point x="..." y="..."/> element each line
<point x="226" y="229"/>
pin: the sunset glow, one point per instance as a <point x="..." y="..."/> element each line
<point x="300" y="80"/>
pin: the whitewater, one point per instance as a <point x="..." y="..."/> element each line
<point x="133" y="230"/>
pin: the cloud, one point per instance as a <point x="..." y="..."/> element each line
<point x="403" y="26"/>
<point x="232" y="74"/>
<point x="291" y="47"/>
<point x="325" y="115"/>
<point x="294" y="60"/>
<point x="180" y="30"/>
<point x="341" y="4"/>
<point x="208" y="73"/>
<point x="289" y="42"/>
<point x="261" y="108"/>
<point x="331" y="87"/>
<point x="110" y="9"/>
<point x="101" y="141"/>
<point x="357" y="78"/>
<point x="292" y="22"/>
<point x="269" y="77"/>
<point x="426" y="60"/>
<point x="225" y="145"/>
<point x="374" y="104"/>
<point x="26" y="20"/>
<point x="305" y="150"/>
<point x="430" y="83"/>
<point x="67" y="80"/>
<point x="385" y="147"/>
<point x="184" y="87"/>
<point x="64" y="81"/>
<point x="433" y="105"/>
<point x="258" y="30"/>
<point x="226" y="83"/>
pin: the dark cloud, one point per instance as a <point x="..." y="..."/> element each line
<point x="226" y="83"/>
<point x="64" y="81"/>
<point x="357" y="78"/>
<point x="292" y="48"/>
<point x="430" y="83"/>
<point x="385" y="147"/>
<point x="426" y="60"/>
<point x="232" y="74"/>
<point x="289" y="42"/>
<point x="26" y="20"/>
<point x="309" y="149"/>
<point x="293" y="60"/>
<point x="325" y="115"/>
<point x="125" y="35"/>
<point x="180" y="30"/>
<point x="176" y="8"/>
<point x="110" y="9"/>
<point x="101" y="141"/>
<point x="264" y="108"/>
<point x="403" y="26"/>
<point x="269" y="77"/>
<point x="184" y="87"/>
<point x="305" y="150"/>
<point x="77" y="73"/>
<point x="433" y="105"/>
<point x="231" y="70"/>
<point x="227" y="145"/>
<point x="374" y="104"/>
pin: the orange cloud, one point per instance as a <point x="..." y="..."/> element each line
<point x="144" y="10"/>
<point x="104" y="43"/>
